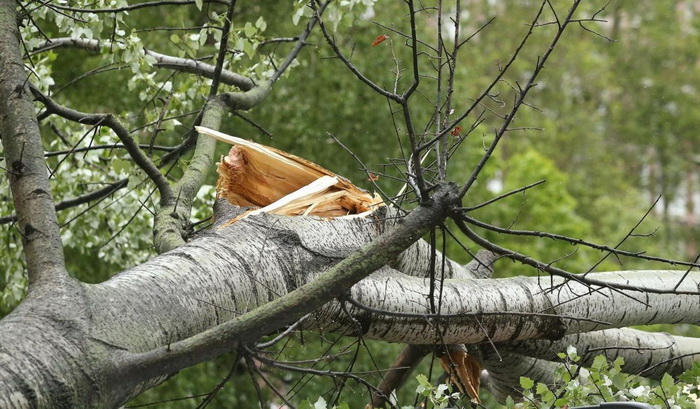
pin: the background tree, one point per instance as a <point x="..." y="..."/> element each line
<point x="162" y="61"/>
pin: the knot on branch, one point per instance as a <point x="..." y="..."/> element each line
<point x="243" y="101"/>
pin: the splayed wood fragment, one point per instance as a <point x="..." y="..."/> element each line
<point x="463" y="369"/>
<point x="273" y="181"/>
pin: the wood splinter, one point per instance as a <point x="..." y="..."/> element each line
<point x="273" y="181"/>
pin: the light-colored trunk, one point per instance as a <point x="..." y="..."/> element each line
<point x="71" y="344"/>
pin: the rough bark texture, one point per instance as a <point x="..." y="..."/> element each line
<point x="24" y="158"/>
<point x="83" y="338"/>
<point x="674" y="353"/>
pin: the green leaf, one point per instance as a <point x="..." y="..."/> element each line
<point x="667" y="382"/>
<point x="199" y="4"/>
<point x="175" y="38"/>
<point x="542" y="388"/>
<point x="561" y="402"/>
<point x="249" y="49"/>
<point x="599" y="362"/>
<point x="249" y="30"/>
<point x="261" y="24"/>
<point x="526" y="383"/>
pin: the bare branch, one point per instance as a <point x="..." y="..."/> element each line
<point x="548" y="268"/>
<point x="351" y="67"/>
<point x="575" y="241"/>
<point x="300" y="42"/>
<point x="521" y="96"/>
<point x="223" y="46"/>
<point x="131" y="7"/>
<point x="86" y="198"/>
<point x="110" y="121"/>
<point x="162" y="60"/>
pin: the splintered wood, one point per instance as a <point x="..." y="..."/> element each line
<point x="464" y="371"/>
<point x="273" y="181"/>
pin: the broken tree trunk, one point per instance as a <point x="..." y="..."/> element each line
<point x="98" y="345"/>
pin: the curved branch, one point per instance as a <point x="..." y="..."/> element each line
<point x="504" y="371"/>
<point x="24" y="155"/>
<point x="641" y="350"/>
<point x="162" y="60"/>
<point x="110" y="121"/>
<point x="351" y="66"/>
<point x="77" y="201"/>
<point x="131" y="7"/>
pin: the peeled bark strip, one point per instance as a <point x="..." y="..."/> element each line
<point x="464" y="370"/>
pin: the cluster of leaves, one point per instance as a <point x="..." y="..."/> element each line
<point x="605" y="381"/>
<point x="436" y="396"/>
<point x="573" y="385"/>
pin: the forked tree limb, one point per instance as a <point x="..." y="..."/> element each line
<point x="172" y="225"/>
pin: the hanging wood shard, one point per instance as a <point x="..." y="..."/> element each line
<point x="274" y="181"/>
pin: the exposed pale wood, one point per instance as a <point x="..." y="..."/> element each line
<point x="255" y="175"/>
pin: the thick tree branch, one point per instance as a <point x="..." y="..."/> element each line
<point x="286" y="309"/>
<point x="640" y="349"/>
<point x="24" y="155"/>
<point x="207" y="286"/>
<point x="505" y="370"/>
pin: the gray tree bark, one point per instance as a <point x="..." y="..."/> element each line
<point x="97" y="345"/>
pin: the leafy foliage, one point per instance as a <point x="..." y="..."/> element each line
<point x="604" y="381"/>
